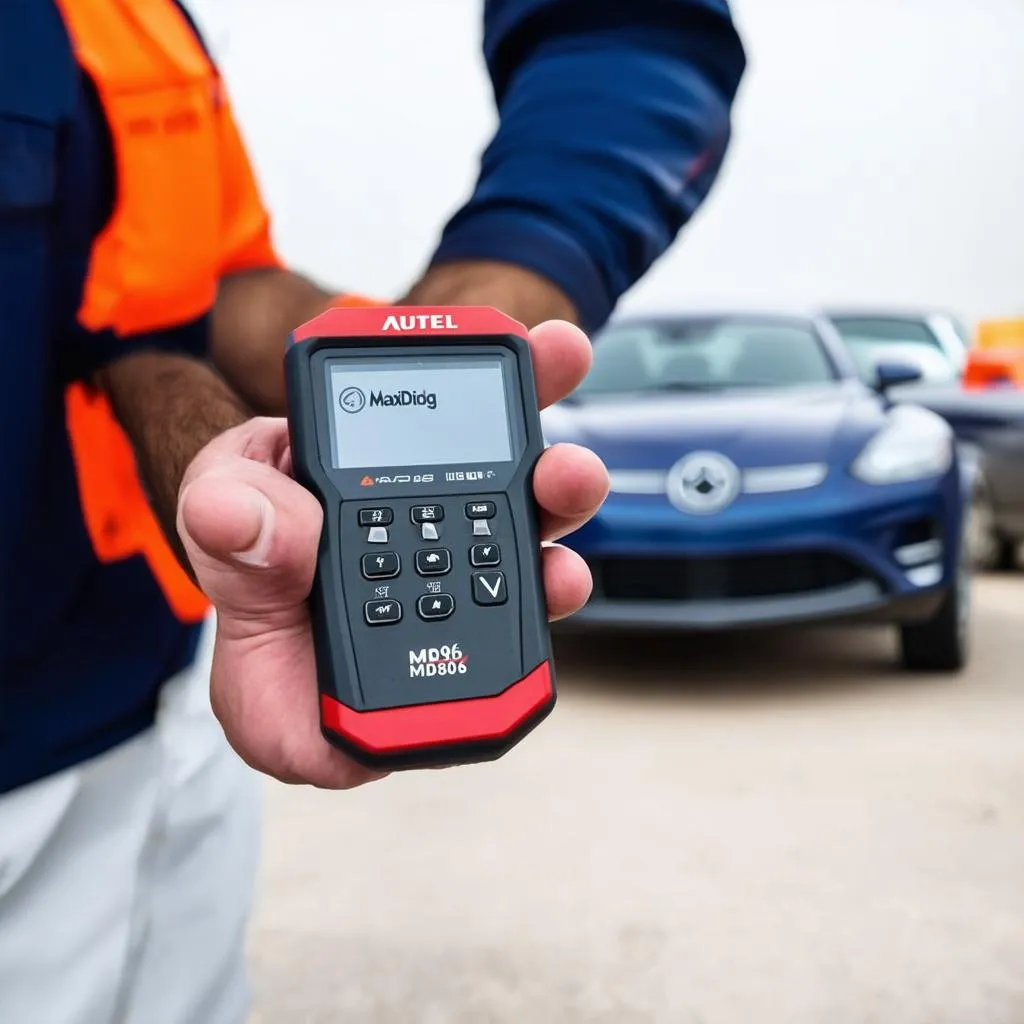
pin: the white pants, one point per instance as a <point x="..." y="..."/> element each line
<point x="126" y="882"/>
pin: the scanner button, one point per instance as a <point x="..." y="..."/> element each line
<point x="382" y="613"/>
<point x="376" y="517"/>
<point x="435" y="606"/>
<point x="428" y="531"/>
<point x="427" y="513"/>
<point x="434" y="562"/>
<point x="380" y="565"/>
<point x="484" y="554"/>
<point x="480" y="510"/>
<point x="489" y="588"/>
<point x="377" y="535"/>
<point x="481" y="528"/>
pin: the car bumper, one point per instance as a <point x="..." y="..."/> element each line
<point x="863" y="601"/>
<point x="890" y="557"/>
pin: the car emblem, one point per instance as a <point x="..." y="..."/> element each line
<point x="703" y="483"/>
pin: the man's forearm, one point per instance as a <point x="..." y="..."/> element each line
<point x="516" y="291"/>
<point x="171" y="407"/>
<point x="253" y="316"/>
<point x="256" y="311"/>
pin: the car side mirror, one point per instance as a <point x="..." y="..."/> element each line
<point x="892" y="375"/>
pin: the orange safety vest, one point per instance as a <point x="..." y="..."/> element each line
<point x="187" y="211"/>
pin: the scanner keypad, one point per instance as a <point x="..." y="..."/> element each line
<point x="460" y="564"/>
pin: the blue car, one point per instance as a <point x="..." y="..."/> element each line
<point x="757" y="480"/>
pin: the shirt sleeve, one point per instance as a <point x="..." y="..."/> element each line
<point x="614" y="119"/>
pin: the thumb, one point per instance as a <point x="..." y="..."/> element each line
<point x="251" y="534"/>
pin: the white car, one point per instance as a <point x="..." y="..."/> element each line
<point x="937" y="343"/>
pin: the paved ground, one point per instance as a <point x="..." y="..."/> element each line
<point x="759" y="830"/>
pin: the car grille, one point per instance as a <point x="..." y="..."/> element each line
<point x="708" y="579"/>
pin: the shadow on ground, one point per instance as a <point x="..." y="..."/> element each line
<point x="730" y="666"/>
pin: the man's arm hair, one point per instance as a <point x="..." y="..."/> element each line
<point x="170" y="406"/>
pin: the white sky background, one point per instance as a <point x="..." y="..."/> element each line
<point x="879" y="150"/>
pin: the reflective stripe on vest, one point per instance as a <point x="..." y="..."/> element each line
<point x="187" y="210"/>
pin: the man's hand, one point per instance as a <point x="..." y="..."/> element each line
<point x="251" y="533"/>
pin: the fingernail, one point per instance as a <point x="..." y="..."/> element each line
<point x="256" y="554"/>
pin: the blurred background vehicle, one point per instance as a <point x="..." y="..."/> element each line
<point x="757" y="480"/>
<point x="993" y="368"/>
<point x="1006" y="333"/>
<point x="997" y="358"/>
<point x="988" y="422"/>
<point x="936" y="342"/>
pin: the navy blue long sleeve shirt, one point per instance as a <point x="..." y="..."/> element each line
<point x="614" y="118"/>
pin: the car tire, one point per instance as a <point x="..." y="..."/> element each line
<point x="1005" y="554"/>
<point x="941" y="643"/>
<point x="990" y="550"/>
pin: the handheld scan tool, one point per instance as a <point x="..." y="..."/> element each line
<point x="418" y="430"/>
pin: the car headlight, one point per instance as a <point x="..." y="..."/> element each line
<point x="914" y="445"/>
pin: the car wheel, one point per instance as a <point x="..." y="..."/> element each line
<point x="1005" y="555"/>
<point x="942" y="643"/>
<point x="989" y="550"/>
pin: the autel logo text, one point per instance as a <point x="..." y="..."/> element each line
<point x="421" y="322"/>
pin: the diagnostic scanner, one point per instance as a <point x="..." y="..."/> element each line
<point x="417" y="428"/>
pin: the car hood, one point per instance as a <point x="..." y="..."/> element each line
<point x="753" y="428"/>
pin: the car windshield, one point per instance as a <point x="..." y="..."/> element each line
<point x="706" y="354"/>
<point x="874" y="340"/>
